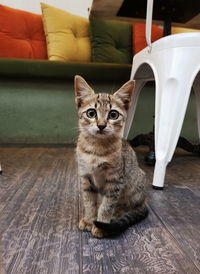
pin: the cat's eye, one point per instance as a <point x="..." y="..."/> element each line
<point x="113" y="115"/>
<point x="91" y="113"/>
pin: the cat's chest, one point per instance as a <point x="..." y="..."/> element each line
<point x="93" y="166"/>
<point x="89" y="163"/>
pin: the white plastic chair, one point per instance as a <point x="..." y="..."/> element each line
<point x="174" y="63"/>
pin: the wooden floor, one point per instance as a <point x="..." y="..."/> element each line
<point x="40" y="206"/>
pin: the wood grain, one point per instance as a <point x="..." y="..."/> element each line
<point x="2" y="271"/>
<point x="40" y="206"/>
<point x="144" y="248"/>
<point x="42" y="217"/>
<point x="179" y="211"/>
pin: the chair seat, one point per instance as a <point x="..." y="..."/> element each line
<point x="171" y="45"/>
<point x="188" y="39"/>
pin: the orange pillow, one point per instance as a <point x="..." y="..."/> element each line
<point x="21" y="34"/>
<point x="139" y="39"/>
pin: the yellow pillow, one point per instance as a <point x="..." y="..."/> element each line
<point x="67" y="35"/>
<point x="175" y="30"/>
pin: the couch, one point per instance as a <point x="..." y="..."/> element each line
<point x="36" y="91"/>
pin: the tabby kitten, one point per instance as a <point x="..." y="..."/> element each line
<point x="112" y="183"/>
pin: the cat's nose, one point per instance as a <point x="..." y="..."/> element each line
<point x="101" y="127"/>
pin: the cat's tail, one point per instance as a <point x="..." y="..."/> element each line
<point x="118" y="226"/>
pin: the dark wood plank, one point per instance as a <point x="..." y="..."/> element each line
<point x="178" y="205"/>
<point x="2" y="270"/>
<point x="184" y="170"/>
<point x="42" y="235"/>
<point x="40" y="208"/>
<point x="144" y="248"/>
<point x="16" y="181"/>
<point x="179" y="210"/>
<point x="15" y="167"/>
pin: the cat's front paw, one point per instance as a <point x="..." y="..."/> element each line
<point x="98" y="233"/>
<point x="85" y="224"/>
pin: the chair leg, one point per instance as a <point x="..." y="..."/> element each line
<point x="196" y="88"/>
<point x="138" y="86"/>
<point x="169" y="115"/>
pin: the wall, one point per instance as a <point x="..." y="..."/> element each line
<point x="79" y="7"/>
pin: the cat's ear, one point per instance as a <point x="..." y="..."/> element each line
<point x="82" y="90"/>
<point x="124" y="94"/>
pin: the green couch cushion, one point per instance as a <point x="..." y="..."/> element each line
<point x="63" y="70"/>
<point x="111" y="41"/>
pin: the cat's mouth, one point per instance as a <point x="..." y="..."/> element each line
<point x="101" y="132"/>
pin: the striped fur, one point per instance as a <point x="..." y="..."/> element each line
<point x="113" y="185"/>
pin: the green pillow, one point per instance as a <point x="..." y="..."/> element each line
<point x="111" y="41"/>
